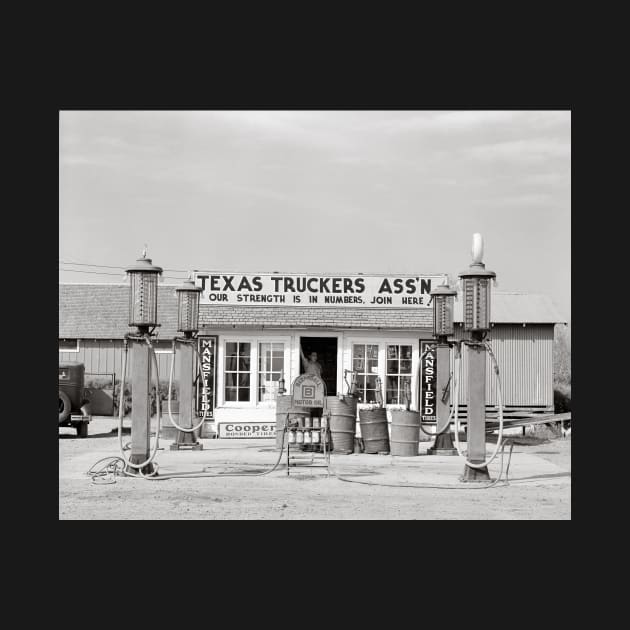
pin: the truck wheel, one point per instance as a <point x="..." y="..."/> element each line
<point x="82" y="429"/>
<point x="64" y="406"/>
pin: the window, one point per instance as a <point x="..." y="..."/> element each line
<point x="270" y="369"/>
<point x="68" y="345"/>
<point x="237" y="371"/>
<point x="398" y="374"/>
<point x="365" y="365"/>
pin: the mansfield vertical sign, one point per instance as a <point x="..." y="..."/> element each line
<point x="238" y="289"/>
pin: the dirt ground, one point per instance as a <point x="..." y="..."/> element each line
<point x="539" y="484"/>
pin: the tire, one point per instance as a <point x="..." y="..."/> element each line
<point x="65" y="407"/>
<point x="82" y="429"/>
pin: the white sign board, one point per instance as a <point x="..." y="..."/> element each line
<point x="328" y="290"/>
<point x="246" y="429"/>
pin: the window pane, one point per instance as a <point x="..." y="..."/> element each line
<point x="392" y="382"/>
<point x="230" y="349"/>
<point x="243" y="394"/>
<point x="230" y="379"/>
<point x="243" y="363"/>
<point x="230" y="393"/>
<point x="243" y="379"/>
<point x="405" y="366"/>
<point x="358" y="350"/>
<point x="405" y="387"/>
<point x="358" y="365"/>
<point x="230" y="363"/>
<point x="370" y="381"/>
<point x="244" y="349"/>
<point x="392" y="352"/>
<point x="372" y="366"/>
<point x="392" y="367"/>
<point x="277" y="365"/>
<point x="405" y="352"/>
<point x="372" y="352"/>
<point x="392" y="397"/>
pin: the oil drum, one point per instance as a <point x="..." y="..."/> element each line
<point x="343" y="422"/>
<point x="405" y="432"/>
<point x="374" y="431"/>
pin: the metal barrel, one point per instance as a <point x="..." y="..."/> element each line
<point x="374" y="430"/>
<point x="283" y="406"/>
<point x="343" y="422"/>
<point x="405" y="432"/>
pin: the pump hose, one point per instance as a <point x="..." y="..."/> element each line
<point x="500" y="405"/>
<point x="122" y="411"/>
<point x="170" y="387"/>
<point x="463" y="486"/>
<point x="115" y="467"/>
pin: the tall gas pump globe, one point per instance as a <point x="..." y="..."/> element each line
<point x="143" y="293"/>
<point x="188" y="308"/>
<point x="443" y="303"/>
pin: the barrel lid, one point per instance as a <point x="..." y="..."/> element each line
<point x="68" y="364"/>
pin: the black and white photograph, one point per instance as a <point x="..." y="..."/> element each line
<point x="314" y="314"/>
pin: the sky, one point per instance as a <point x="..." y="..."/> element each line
<point x="318" y="191"/>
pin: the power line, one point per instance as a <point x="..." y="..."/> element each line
<point x="105" y="273"/>
<point x="64" y="262"/>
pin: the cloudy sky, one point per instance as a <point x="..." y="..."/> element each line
<point x="317" y="191"/>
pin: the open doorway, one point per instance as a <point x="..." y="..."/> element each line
<point x="326" y="349"/>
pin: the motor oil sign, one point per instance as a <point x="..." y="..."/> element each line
<point x="428" y="380"/>
<point x="308" y="391"/>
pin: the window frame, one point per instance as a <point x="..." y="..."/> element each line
<point x="363" y="375"/>
<point x="254" y="340"/>
<point x="382" y="343"/>
<point x="398" y="375"/>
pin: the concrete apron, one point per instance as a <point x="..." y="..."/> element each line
<point x="252" y="455"/>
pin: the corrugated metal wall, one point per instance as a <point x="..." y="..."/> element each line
<point x="105" y="356"/>
<point x="525" y="358"/>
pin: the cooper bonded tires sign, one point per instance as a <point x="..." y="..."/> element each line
<point x="247" y="429"/>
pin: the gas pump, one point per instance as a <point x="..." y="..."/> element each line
<point x="143" y="315"/>
<point x="443" y="298"/>
<point x="476" y="295"/>
<point x="185" y="350"/>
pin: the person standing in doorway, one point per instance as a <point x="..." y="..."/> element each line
<point x="310" y="364"/>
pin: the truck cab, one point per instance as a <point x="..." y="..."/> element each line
<point x="74" y="399"/>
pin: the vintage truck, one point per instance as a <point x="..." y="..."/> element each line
<point x="74" y="398"/>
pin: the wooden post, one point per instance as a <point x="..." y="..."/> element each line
<point x="140" y="409"/>
<point x="476" y="427"/>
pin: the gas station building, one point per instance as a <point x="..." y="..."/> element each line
<point x="250" y="346"/>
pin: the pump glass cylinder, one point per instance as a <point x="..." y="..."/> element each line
<point x="442" y="315"/>
<point x="476" y="303"/>
<point x="143" y="298"/>
<point x="188" y="311"/>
